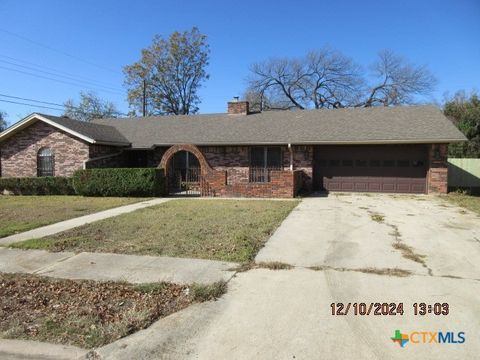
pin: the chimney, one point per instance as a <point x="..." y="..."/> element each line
<point x="236" y="107"/>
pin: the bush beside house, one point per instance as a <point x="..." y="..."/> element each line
<point x="37" y="186"/>
<point x="119" y="182"/>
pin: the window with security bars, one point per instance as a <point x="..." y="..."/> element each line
<point x="45" y="162"/>
<point x="264" y="159"/>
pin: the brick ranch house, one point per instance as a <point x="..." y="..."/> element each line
<point x="269" y="154"/>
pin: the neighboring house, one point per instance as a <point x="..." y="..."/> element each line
<point x="270" y="154"/>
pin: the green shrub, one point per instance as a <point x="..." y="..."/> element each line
<point x="119" y="182"/>
<point x="48" y="185"/>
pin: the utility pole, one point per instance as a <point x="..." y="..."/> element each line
<point x="144" y="98"/>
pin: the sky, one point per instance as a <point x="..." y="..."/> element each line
<point x="91" y="40"/>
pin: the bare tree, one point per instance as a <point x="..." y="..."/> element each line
<point x="399" y="83"/>
<point x="321" y="79"/>
<point x="328" y="79"/>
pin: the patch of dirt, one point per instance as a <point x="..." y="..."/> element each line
<point x="274" y="265"/>
<point x="385" y="271"/>
<point x="408" y="253"/>
<point x="81" y="312"/>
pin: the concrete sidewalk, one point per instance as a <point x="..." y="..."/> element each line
<point x="79" y="221"/>
<point x="23" y="349"/>
<point x="115" y="267"/>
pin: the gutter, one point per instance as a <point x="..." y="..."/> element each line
<point x="362" y="142"/>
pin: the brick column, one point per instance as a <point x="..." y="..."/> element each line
<point x="437" y="176"/>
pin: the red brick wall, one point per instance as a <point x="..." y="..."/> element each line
<point x="283" y="184"/>
<point x="235" y="160"/>
<point x="437" y="176"/>
<point x="19" y="152"/>
<point x="238" y="107"/>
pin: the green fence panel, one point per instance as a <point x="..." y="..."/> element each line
<point x="464" y="172"/>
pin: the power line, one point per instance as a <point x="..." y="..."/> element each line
<point x="57" y="80"/>
<point x="58" y="71"/>
<point x="32" y="105"/>
<point x="24" y="38"/>
<point x="33" y="100"/>
<point x="62" y="106"/>
<point x="89" y="83"/>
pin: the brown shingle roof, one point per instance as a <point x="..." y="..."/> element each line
<point x="402" y="124"/>
<point x="98" y="132"/>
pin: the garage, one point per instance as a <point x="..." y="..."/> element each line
<point x="371" y="168"/>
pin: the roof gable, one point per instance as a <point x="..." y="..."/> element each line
<point x="88" y="132"/>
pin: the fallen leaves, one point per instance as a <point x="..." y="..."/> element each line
<point x="80" y="312"/>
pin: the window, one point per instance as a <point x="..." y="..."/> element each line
<point x="347" y="162"/>
<point x="361" y="163"/>
<point x="334" y="162"/>
<point x="264" y="159"/>
<point x="418" y="163"/>
<point x="45" y="162"/>
<point x="403" y="163"/>
<point x="375" y="163"/>
<point x="389" y="163"/>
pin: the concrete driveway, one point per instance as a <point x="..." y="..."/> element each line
<point x="379" y="231"/>
<point x="349" y="240"/>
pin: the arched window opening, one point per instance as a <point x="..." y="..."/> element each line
<point x="45" y="162"/>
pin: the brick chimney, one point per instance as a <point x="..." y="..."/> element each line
<point x="237" y="107"/>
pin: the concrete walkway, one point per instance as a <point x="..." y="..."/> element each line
<point x="22" y="349"/>
<point x="79" y="221"/>
<point x="115" y="267"/>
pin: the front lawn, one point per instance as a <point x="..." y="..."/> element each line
<point x="22" y="213"/>
<point x="469" y="202"/>
<point x="229" y="230"/>
<point x="83" y="313"/>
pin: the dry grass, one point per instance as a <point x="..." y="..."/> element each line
<point x="274" y="265"/>
<point x="465" y="201"/>
<point x="377" y="217"/>
<point x="383" y="271"/>
<point x="408" y="253"/>
<point x="22" y="213"/>
<point x="81" y="312"/>
<point x="208" y="292"/>
<point x="229" y="230"/>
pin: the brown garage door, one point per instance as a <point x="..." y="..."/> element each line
<point x="371" y="168"/>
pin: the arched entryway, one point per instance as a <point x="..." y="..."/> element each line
<point x="184" y="174"/>
<point x="184" y="167"/>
